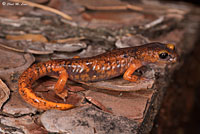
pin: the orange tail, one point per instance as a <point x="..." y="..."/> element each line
<point x="29" y="76"/>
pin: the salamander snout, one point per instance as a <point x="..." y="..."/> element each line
<point x="168" y="54"/>
<point x="173" y="59"/>
<point x="168" y="57"/>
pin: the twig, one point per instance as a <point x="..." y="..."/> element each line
<point x="44" y="8"/>
<point x="110" y="8"/>
<point x="154" y="23"/>
<point x="133" y="7"/>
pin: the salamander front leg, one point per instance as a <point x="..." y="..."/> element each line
<point x="128" y="74"/>
<point x="60" y="84"/>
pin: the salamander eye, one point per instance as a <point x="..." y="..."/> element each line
<point x="163" y="55"/>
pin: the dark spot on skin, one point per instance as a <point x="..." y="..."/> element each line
<point x="51" y="69"/>
<point x="31" y="79"/>
<point x="64" y="65"/>
<point x="45" y="69"/>
<point x="38" y="70"/>
<point x="45" y="103"/>
<point x="23" y="93"/>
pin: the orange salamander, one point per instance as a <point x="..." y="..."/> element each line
<point x="123" y="61"/>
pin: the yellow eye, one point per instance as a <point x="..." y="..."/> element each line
<point x="171" y="46"/>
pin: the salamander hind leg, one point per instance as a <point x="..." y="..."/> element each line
<point x="128" y="74"/>
<point x="60" y="84"/>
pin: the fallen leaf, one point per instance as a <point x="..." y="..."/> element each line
<point x="68" y="40"/>
<point x="29" y="37"/>
<point x="131" y="41"/>
<point x="66" y="47"/>
<point x="41" y="47"/>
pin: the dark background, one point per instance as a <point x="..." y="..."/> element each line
<point x="179" y="113"/>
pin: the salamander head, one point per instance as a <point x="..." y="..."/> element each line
<point x="158" y="53"/>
